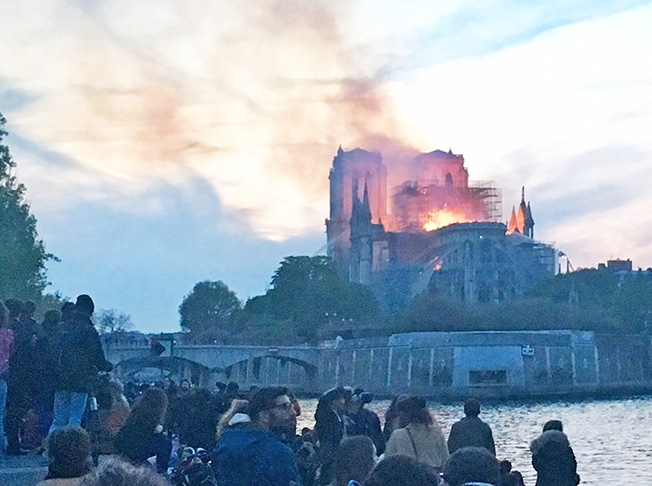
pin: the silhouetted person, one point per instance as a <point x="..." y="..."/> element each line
<point x="45" y="375"/>
<point x="142" y="435"/>
<point x="6" y="349"/>
<point x="472" y="465"/>
<point x="69" y="457"/>
<point x="553" y="457"/>
<point x="365" y="421"/>
<point x="402" y="471"/>
<point x="354" y="459"/>
<point x="471" y="431"/>
<point x="330" y="426"/>
<point x="78" y="358"/>
<point x="20" y="381"/>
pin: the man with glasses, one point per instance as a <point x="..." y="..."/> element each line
<point x="256" y="455"/>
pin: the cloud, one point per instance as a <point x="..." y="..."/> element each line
<point x="222" y="118"/>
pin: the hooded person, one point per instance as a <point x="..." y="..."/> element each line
<point x="255" y="455"/>
<point x="554" y="460"/>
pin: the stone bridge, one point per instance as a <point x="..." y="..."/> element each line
<point x="295" y="366"/>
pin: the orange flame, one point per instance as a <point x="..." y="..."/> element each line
<point x="445" y="217"/>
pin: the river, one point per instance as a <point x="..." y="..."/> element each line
<point x="612" y="439"/>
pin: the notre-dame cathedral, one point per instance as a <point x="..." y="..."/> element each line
<point x="423" y="225"/>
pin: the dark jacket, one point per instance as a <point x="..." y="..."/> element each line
<point x="554" y="460"/>
<point x="22" y="362"/>
<point x="78" y="355"/>
<point x="252" y="457"/>
<point x="471" y="432"/>
<point x="366" y="422"/>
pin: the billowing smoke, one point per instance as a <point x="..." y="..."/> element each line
<point x="254" y="97"/>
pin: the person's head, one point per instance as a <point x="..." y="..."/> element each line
<point x="472" y="407"/>
<point x="232" y="389"/>
<point x="15" y="308"/>
<point x="67" y="310"/>
<point x="185" y="386"/>
<point x="69" y="453"/>
<point x="115" y="472"/>
<point x="51" y="320"/>
<point x="150" y="410"/>
<point x="505" y="467"/>
<point x="514" y="478"/>
<point x="359" y="399"/>
<point x="339" y="398"/>
<point x="270" y="408"/>
<point x="553" y="425"/>
<point x="84" y="305"/>
<point x="401" y="470"/>
<point x="471" y="464"/>
<point x="29" y="308"/>
<point x="355" y="457"/>
<point x="413" y="410"/>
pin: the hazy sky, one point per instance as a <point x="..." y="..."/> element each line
<point x="166" y="142"/>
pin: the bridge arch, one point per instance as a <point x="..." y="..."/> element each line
<point x="180" y="367"/>
<point x="266" y="369"/>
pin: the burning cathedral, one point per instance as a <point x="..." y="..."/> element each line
<point x="434" y="230"/>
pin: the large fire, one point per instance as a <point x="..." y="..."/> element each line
<point x="445" y="217"/>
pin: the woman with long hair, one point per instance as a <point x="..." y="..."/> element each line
<point x="330" y="427"/>
<point x="142" y="435"/>
<point x="418" y="436"/>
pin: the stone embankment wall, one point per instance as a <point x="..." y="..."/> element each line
<point x="489" y="364"/>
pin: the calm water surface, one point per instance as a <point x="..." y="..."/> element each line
<point x="612" y="439"/>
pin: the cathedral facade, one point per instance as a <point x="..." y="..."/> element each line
<point x="433" y="229"/>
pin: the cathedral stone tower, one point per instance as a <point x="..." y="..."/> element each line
<point x="352" y="171"/>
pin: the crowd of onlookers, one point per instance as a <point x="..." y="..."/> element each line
<point x="59" y="403"/>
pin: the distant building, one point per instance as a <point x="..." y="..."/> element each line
<point x="441" y="232"/>
<point x="617" y="265"/>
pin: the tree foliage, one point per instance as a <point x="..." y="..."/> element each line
<point x="111" y="321"/>
<point x="22" y="252"/>
<point x="306" y="292"/>
<point x="210" y="306"/>
<point x="593" y="300"/>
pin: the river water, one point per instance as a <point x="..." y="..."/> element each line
<point x="612" y="439"/>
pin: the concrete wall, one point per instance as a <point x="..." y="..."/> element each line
<point x="486" y="363"/>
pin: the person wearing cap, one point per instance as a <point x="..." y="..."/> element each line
<point x="418" y="435"/>
<point x="255" y="455"/>
<point x="78" y="357"/>
<point x="471" y="431"/>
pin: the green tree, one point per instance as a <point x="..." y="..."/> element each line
<point x="22" y="252"/>
<point x="210" y="306"/>
<point x="306" y="292"/>
<point x="111" y="321"/>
